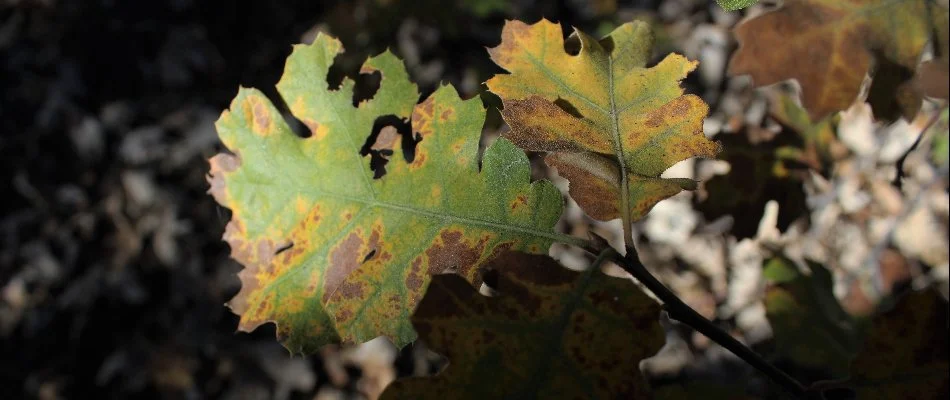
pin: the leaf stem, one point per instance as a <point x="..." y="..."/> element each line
<point x="682" y="312"/>
<point x="625" y="216"/>
<point x="898" y="180"/>
<point x="572" y="240"/>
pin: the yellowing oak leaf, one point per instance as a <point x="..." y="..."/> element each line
<point x="550" y="333"/>
<point x="611" y="124"/>
<point x="332" y="254"/>
<point x="829" y="45"/>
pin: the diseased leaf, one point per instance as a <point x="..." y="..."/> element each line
<point x="359" y="251"/>
<point x="905" y="355"/>
<point x="551" y="333"/>
<point x="811" y="329"/>
<point x="733" y="5"/>
<point x="829" y="45"/>
<point x="610" y="124"/>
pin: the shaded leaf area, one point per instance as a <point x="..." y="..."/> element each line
<point x="905" y="354"/>
<point x="768" y="166"/>
<point x="815" y="338"/>
<point x="551" y="333"/>
<point x="733" y="5"/>
<point x="816" y="145"/>
<point x="610" y="124"/>
<point x="828" y="46"/>
<point x="332" y="254"/>
<point x="702" y="390"/>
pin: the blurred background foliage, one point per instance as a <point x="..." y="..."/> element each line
<point x="113" y="275"/>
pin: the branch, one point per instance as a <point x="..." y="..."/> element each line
<point x="680" y="311"/>
<point x="898" y="180"/>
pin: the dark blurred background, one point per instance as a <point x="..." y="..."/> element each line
<point x="113" y="276"/>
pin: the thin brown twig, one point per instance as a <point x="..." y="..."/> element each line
<point x="899" y="178"/>
<point x="682" y="312"/>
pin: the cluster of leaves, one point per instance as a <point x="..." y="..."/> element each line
<point x="384" y="220"/>
<point x="829" y="46"/>
<point x="338" y="248"/>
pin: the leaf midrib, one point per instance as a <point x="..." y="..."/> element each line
<point x="454" y="218"/>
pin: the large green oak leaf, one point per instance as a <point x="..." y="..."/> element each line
<point x="331" y="254"/>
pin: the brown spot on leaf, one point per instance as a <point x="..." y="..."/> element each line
<point x="451" y="251"/>
<point x="446" y="115"/>
<point x="221" y="165"/>
<point x="414" y="278"/>
<point x="519" y="201"/>
<point x="344" y="259"/>
<point x="259" y="115"/>
<point x="350" y="290"/>
<point x="317" y="131"/>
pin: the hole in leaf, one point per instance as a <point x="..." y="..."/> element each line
<point x="284" y="248"/>
<point x="296" y="126"/>
<point x="572" y="45"/>
<point x="568" y="107"/>
<point x="335" y="74"/>
<point x="379" y="145"/>
<point x="369" y="256"/>
<point x="607" y="43"/>
<point x="491" y="278"/>
<point x="366" y="87"/>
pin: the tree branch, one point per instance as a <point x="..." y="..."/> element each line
<point x="682" y="312"/>
<point x="898" y="180"/>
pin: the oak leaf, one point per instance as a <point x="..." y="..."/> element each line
<point x="550" y="333"/>
<point x="829" y="45"/>
<point x="812" y="330"/>
<point x="332" y="254"/>
<point x="610" y="124"/>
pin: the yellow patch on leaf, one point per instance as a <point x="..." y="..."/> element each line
<point x="611" y="124"/>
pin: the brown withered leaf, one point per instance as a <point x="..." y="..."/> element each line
<point x="829" y="45"/>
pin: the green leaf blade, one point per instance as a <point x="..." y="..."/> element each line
<point x="330" y="253"/>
